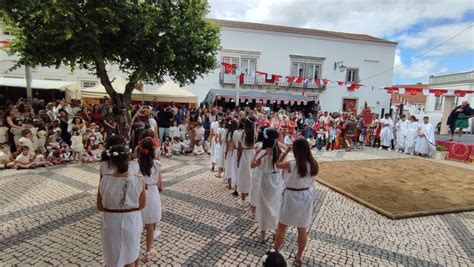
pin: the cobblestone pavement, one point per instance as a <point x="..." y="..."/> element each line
<point x="48" y="216"/>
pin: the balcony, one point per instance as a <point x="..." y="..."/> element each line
<point x="249" y="80"/>
<point x="228" y="78"/>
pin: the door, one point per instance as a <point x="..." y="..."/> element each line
<point x="349" y="105"/>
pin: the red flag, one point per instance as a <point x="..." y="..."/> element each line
<point x="340" y="83"/>
<point x="228" y="67"/>
<point x="276" y="78"/>
<point x="290" y="79"/>
<point x="318" y="82"/>
<point x="5" y="43"/>
<point x="438" y="92"/>
<point x="325" y="81"/>
<point x="299" y="80"/>
<point x="241" y="78"/>
<point x="353" y="87"/>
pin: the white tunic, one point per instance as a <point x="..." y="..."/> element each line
<point x="152" y="211"/>
<point x="412" y="135"/>
<point x="386" y="134"/>
<point x="244" y="181"/>
<point x="426" y="143"/>
<point x="121" y="231"/>
<point x="234" y="169"/>
<point x="269" y="199"/>
<point x="297" y="206"/>
<point x="221" y="149"/>
<point x="228" y="164"/>
<point x="214" y="149"/>
<point x="256" y="176"/>
<point x="402" y="131"/>
<point x="76" y="143"/>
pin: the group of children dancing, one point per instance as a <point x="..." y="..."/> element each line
<point x="278" y="191"/>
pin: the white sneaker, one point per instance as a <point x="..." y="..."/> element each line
<point x="156" y="234"/>
<point x="389" y="149"/>
<point x="380" y="148"/>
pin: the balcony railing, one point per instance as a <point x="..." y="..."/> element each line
<point x="229" y="78"/>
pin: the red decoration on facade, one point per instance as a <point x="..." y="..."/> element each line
<point x="413" y="91"/>
<point x="340" y="83"/>
<point x="290" y="79"/>
<point x="299" y="80"/>
<point x="438" y="92"/>
<point x="228" y="68"/>
<point x="325" y="82"/>
<point x="353" y="87"/>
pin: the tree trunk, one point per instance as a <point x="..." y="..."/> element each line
<point x="117" y="98"/>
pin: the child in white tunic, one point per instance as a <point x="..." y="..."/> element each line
<point x="297" y="201"/>
<point x="150" y="168"/>
<point x="245" y="154"/>
<point x="271" y="183"/>
<point x="412" y="135"/>
<point x="121" y="196"/>
<point x="229" y="153"/>
<point x="220" y="139"/>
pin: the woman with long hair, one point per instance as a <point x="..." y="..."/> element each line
<point x="105" y="167"/>
<point x="150" y="168"/>
<point x="297" y="201"/>
<point x="271" y="183"/>
<point x="245" y="153"/>
<point x="121" y="196"/>
<point x="230" y="167"/>
<point x="10" y="117"/>
<point x="64" y="125"/>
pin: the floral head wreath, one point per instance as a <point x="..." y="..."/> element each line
<point x="144" y="150"/>
<point x="116" y="153"/>
<point x="265" y="133"/>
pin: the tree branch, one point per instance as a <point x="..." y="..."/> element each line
<point x="104" y="77"/>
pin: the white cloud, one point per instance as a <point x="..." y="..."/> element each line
<point x="419" y="69"/>
<point x="375" y="17"/>
<point x="436" y="35"/>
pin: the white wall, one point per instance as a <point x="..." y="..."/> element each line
<point x="275" y="50"/>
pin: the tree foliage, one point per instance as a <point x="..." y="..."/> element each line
<point x="146" y="39"/>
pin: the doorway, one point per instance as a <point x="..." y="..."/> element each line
<point x="349" y="105"/>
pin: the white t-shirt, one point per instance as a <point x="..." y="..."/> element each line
<point x="23" y="159"/>
<point x="3" y="134"/>
<point x="153" y="124"/>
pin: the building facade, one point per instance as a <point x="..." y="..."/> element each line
<point x="310" y="55"/>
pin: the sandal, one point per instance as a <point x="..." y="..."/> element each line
<point x="298" y="260"/>
<point x="149" y="255"/>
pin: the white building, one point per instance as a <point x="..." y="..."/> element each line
<point x="286" y="51"/>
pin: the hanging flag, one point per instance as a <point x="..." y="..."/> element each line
<point x="5" y="43"/>
<point x="299" y="80"/>
<point x="340" y="83"/>
<point x="438" y="92"/>
<point x="269" y="78"/>
<point x="353" y="86"/>
<point x="414" y="91"/>
<point x="276" y="78"/>
<point x="318" y="82"/>
<point x="325" y="82"/>
<point x="228" y="68"/>
<point x="241" y="78"/>
<point x="290" y="79"/>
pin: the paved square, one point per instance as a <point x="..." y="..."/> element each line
<point x="48" y="216"/>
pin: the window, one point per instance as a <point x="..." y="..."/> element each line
<point x="87" y="84"/>
<point x="438" y="102"/>
<point x="313" y="71"/>
<point x="352" y="75"/>
<point x="297" y="69"/>
<point x="249" y="66"/>
<point x="232" y="60"/>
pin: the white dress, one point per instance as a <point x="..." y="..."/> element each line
<point x="244" y="181"/>
<point x="214" y="144"/>
<point x="269" y="198"/>
<point x="234" y="169"/>
<point x="256" y="176"/>
<point x="386" y="134"/>
<point x="297" y="206"/>
<point x="426" y="144"/>
<point x="412" y="135"/>
<point x="152" y="211"/>
<point x="76" y="143"/>
<point x="402" y="131"/>
<point x="221" y="150"/>
<point x="229" y="163"/>
<point x="121" y="232"/>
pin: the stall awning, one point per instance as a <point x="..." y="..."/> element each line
<point x="170" y="92"/>
<point x="118" y="83"/>
<point x="72" y="89"/>
<point x="257" y="95"/>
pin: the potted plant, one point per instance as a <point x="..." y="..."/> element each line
<point x="441" y="153"/>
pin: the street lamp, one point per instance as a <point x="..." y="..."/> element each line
<point x="340" y="65"/>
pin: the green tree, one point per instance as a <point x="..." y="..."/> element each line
<point x="146" y="39"/>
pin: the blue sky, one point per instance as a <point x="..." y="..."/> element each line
<point x="418" y="26"/>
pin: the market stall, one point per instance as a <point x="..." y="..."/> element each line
<point x="45" y="89"/>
